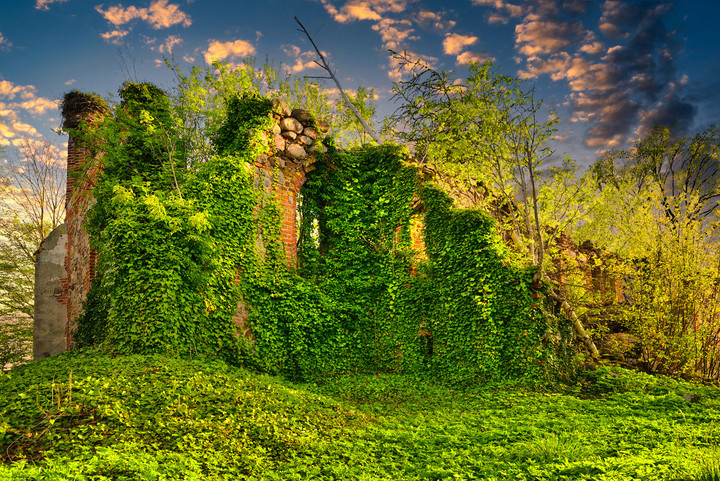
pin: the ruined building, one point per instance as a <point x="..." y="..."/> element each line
<point x="66" y="263"/>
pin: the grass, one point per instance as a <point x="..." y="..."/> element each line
<point x="87" y="416"/>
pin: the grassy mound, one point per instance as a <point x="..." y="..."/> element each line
<point x="87" y="416"/>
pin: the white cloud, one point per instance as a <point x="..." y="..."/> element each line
<point x="228" y="50"/>
<point x="70" y="82"/>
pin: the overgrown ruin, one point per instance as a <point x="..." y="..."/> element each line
<point x="439" y="292"/>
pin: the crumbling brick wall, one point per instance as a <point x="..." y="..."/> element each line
<point x="281" y="173"/>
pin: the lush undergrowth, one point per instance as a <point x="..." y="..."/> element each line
<point x="87" y="416"/>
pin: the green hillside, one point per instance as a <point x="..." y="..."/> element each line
<point x="85" y="416"/>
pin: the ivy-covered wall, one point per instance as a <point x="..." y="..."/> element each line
<point x="202" y="260"/>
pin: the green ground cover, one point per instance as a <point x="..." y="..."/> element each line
<point x="84" y="416"/>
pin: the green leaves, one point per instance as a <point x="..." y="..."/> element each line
<point x="84" y="415"/>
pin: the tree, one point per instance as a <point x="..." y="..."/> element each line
<point x="31" y="206"/>
<point x="486" y="128"/>
<point x="656" y="206"/>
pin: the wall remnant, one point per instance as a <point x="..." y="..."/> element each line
<point x="280" y="173"/>
<point x="79" y="109"/>
<point x="50" y="320"/>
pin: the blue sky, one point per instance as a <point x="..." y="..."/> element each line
<point x="611" y="69"/>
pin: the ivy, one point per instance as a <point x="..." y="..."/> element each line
<point x="184" y="270"/>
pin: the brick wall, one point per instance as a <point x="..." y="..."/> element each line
<point x="81" y="259"/>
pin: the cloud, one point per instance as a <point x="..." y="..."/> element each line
<point x="364" y="9"/>
<point x="17" y="101"/>
<point x="614" y="91"/>
<point x="70" y="82"/>
<point x="38" y="105"/>
<point x="43" y="4"/>
<point x="435" y="20"/>
<point x="454" y="43"/>
<point x="228" y="50"/>
<point x="394" y="32"/>
<point x="115" y="36"/>
<point x="467" y="57"/>
<point x="302" y="60"/>
<point x="538" y="35"/>
<point x="508" y="8"/>
<point x="5" y="44"/>
<point x="169" y="43"/>
<point x="160" y="14"/>
<point x="394" y="20"/>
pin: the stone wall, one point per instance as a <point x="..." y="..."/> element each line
<point x="282" y="171"/>
<point x="51" y="300"/>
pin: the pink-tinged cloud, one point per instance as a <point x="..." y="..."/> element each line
<point x="39" y="105"/>
<point x="228" y="50"/>
<point x="43" y="4"/>
<point x="114" y="36"/>
<point x="169" y="43"/>
<point x="397" y="70"/>
<point x="593" y="48"/>
<point x="503" y="6"/>
<point x="10" y="90"/>
<point x="497" y="18"/>
<point x="536" y="36"/>
<point x="363" y="9"/>
<point x="160" y="14"/>
<point x="466" y="57"/>
<point x="434" y="20"/>
<point x="301" y="60"/>
<point x="394" y="32"/>
<point x="454" y="43"/>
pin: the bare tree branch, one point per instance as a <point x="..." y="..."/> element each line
<point x="325" y="66"/>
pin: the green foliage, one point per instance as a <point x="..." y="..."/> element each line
<point x="181" y="262"/>
<point x="87" y="416"/>
<point x="655" y="206"/>
<point x="484" y="321"/>
<point x="463" y="315"/>
<point x="244" y="113"/>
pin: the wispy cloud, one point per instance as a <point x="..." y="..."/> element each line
<point x="167" y="46"/>
<point x="434" y="20"/>
<point x="301" y="60"/>
<point x="396" y="21"/>
<point x="5" y="44"/>
<point x="43" y="4"/>
<point x="115" y="36"/>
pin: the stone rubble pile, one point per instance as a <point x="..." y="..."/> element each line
<point x="295" y="134"/>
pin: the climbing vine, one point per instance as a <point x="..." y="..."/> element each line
<point x="191" y="259"/>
